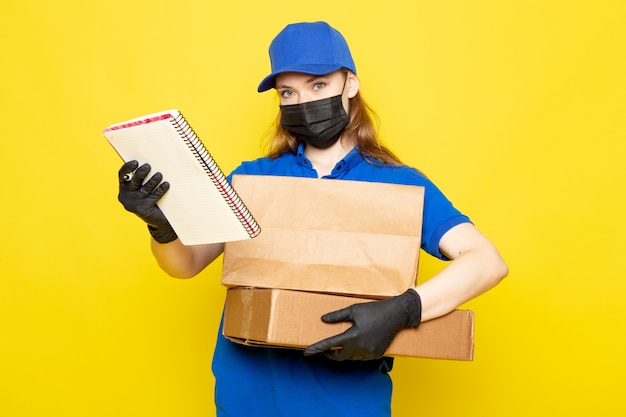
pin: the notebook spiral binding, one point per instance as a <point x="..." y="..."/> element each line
<point x="216" y="175"/>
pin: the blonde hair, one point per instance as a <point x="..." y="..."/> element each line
<point x="361" y="129"/>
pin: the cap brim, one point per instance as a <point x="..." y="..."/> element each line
<point x="269" y="82"/>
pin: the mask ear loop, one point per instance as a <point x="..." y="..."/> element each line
<point x="344" y="83"/>
<point x="342" y="90"/>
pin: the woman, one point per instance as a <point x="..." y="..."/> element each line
<point x="324" y="130"/>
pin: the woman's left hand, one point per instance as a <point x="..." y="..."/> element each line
<point x="374" y="325"/>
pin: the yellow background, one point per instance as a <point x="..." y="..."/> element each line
<point x="514" y="108"/>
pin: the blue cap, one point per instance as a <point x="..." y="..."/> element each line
<point x="312" y="48"/>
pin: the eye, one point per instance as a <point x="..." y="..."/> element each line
<point x="319" y="86"/>
<point x="286" y="93"/>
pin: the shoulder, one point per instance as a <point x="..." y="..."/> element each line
<point x="265" y="165"/>
<point x="396" y="174"/>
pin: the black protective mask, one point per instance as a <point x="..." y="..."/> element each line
<point x="319" y="123"/>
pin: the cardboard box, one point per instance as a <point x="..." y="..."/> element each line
<point x="291" y="319"/>
<point x="343" y="237"/>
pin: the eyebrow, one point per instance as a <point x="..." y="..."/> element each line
<point x="308" y="81"/>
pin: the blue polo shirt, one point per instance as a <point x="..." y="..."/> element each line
<point x="280" y="382"/>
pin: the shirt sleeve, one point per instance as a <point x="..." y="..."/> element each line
<point x="246" y="167"/>
<point x="439" y="216"/>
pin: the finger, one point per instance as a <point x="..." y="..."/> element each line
<point x="345" y="355"/>
<point x="161" y="189"/>
<point x="138" y="177"/>
<point x="326" y="344"/>
<point x="152" y="183"/>
<point x="345" y="314"/>
<point x="126" y="169"/>
<point x="339" y="355"/>
<point x="158" y="192"/>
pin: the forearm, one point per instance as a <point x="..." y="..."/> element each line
<point x="472" y="272"/>
<point x="180" y="261"/>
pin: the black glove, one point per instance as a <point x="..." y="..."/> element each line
<point x="141" y="199"/>
<point x="374" y="325"/>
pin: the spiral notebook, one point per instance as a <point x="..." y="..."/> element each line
<point x="201" y="205"/>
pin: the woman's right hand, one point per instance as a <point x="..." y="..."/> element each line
<point x="141" y="198"/>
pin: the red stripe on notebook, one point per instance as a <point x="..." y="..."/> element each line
<point x="139" y="122"/>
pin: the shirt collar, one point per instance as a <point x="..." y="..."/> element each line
<point x="352" y="159"/>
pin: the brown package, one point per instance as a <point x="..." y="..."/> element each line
<point x="291" y="319"/>
<point x="343" y="237"/>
